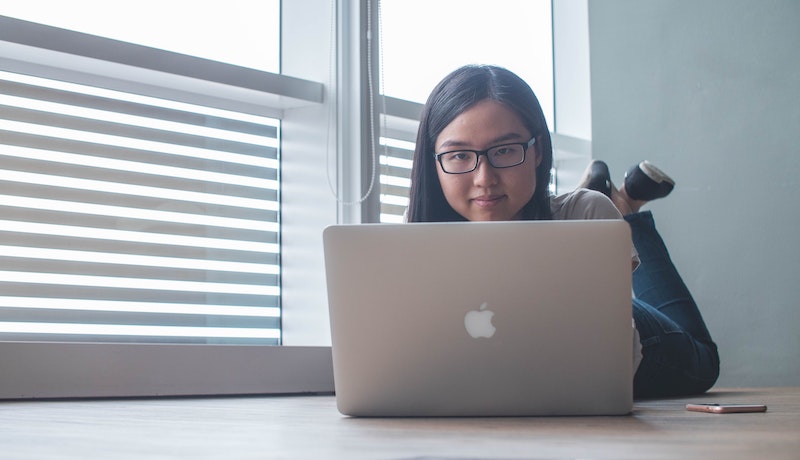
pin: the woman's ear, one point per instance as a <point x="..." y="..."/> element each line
<point x="537" y="153"/>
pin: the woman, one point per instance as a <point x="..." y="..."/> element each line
<point x="483" y="153"/>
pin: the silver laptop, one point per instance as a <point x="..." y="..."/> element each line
<point x="481" y="319"/>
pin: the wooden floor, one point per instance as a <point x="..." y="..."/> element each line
<point x="309" y="427"/>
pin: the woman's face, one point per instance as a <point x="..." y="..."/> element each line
<point x="488" y="193"/>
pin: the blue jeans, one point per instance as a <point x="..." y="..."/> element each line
<point x="678" y="355"/>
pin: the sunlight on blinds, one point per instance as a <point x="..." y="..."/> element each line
<point x="129" y="218"/>
<point x="395" y="178"/>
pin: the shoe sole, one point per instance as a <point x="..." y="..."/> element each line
<point x="654" y="173"/>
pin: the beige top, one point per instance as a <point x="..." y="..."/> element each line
<point x="582" y="204"/>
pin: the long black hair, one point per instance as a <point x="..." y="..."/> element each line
<point x="457" y="92"/>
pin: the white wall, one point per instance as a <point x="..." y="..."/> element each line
<point x="710" y="91"/>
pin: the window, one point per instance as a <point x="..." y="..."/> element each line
<point x="131" y="218"/>
<point x="431" y="39"/>
<point x="240" y="32"/>
<point x="199" y="162"/>
<point x="444" y="35"/>
<point x="286" y="115"/>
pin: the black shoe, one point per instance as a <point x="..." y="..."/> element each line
<point x="596" y="177"/>
<point x="645" y="182"/>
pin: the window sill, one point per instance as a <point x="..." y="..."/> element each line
<point x="36" y="370"/>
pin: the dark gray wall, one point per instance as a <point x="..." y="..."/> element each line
<point x="710" y="91"/>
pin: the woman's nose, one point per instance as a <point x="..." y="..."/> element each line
<point x="485" y="174"/>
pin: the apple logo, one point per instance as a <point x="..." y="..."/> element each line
<point x="479" y="322"/>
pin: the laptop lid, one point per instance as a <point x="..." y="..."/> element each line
<point x="481" y="318"/>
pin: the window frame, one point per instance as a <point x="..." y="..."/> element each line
<point x="303" y="96"/>
<point x="303" y="364"/>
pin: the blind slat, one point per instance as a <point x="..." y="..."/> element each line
<point x="244" y="253"/>
<point x="39" y="93"/>
<point x="79" y="293"/>
<point x="29" y="315"/>
<point x="137" y="173"/>
<point x="38" y="121"/>
<point x="101" y="228"/>
<point x="108" y="155"/>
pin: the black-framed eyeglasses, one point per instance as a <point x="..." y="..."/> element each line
<point x="499" y="156"/>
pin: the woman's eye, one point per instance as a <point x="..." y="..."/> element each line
<point x="457" y="156"/>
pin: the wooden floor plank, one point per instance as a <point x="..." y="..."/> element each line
<point x="310" y="427"/>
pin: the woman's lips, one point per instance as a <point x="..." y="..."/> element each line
<point x="487" y="200"/>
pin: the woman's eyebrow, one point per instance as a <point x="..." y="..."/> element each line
<point x="509" y="137"/>
<point x="450" y="143"/>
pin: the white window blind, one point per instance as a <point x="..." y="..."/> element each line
<point x="399" y="124"/>
<point x="395" y="178"/>
<point x="126" y="218"/>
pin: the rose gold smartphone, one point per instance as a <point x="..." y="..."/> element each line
<point x="726" y="408"/>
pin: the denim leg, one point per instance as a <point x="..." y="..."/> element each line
<point x="679" y="356"/>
